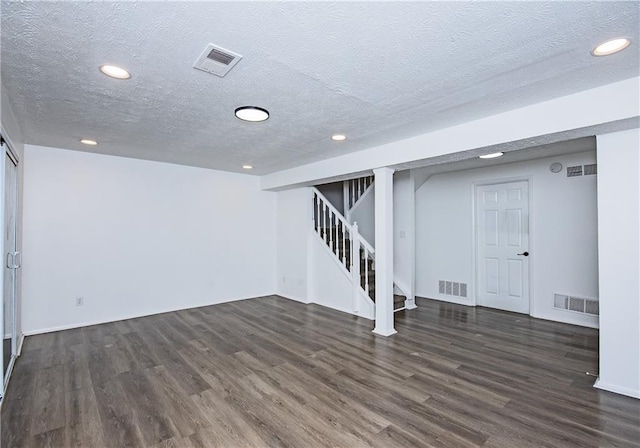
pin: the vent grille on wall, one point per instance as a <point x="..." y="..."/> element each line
<point x="573" y="171"/>
<point x="217" y="60"/>
<point x="576" y="304"/>
<point x="579" y="170"/>
<point x="452" y="288"/>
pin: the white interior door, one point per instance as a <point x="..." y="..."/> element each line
<point x="502" y="212"/>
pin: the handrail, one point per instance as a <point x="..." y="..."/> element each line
<point x="366" y="244"/>
<point x="331" y="207"/>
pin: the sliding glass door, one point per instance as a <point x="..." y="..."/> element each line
<point x="11" y="262"/>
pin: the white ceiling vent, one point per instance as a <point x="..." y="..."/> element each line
<point x="217" y="60"/>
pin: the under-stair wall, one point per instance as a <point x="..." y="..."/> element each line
<point x="306" y="269"/>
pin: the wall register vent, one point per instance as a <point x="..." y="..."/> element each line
<point x="576" y="304"/>
<point x="580" y="170"/>
<point x="452" y="288"/>
<point x="216" y="60"/>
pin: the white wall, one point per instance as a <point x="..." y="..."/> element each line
<point x="294" y="224"/>
<point x="364" y="214"/>
<point x="334" y="193"/>
<point x="328" y="285"/>
<point x="135" y="237"/>
<point x="619" y="259"/>
<point x="563" y="233"/>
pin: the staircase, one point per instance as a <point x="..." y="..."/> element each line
<point x="350" y="250"/>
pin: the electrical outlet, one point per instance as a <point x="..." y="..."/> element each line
<point x="284" y="279"/>
<point x="79" y="301"/>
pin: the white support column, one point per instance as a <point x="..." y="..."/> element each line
<point x="619" y="261"/>
<point x="384" y="251"/>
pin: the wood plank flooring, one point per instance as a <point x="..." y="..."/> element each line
<point x="270" y="372"/>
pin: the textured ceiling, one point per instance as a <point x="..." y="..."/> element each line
<point x="376" y="71"/>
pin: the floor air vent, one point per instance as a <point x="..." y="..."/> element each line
<point x="452" y="288"/>
<point x="217" y="60"/>
<point x="576" y="304"/>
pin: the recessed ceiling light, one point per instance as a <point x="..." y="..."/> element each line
<point x="252" y="113"/>
<point x="611" y="46"/>
<point x="115" y="72"/>
<point x="89" y="142"/>
<point x="492" y="156"/>
<point x="247" y="167"/>
<point x="338" y="137"/>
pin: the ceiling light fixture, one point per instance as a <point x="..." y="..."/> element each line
<point x="247" y="167"/>
<point x="86" y="141"/>
<point x="338" y="137"/>
<point x="252" y="113"/>
<point x="115" y="72"/>
<point x="492" y="156"/>
<point x="611" y="46"/>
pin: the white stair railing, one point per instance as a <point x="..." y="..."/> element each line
<point x="353" y="190"/>
<point x="363" y="262"/>
<point x="354" y="254"/>
<point x="333" y="228"/>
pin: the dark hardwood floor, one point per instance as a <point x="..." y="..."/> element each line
<point x="272" y="372"/>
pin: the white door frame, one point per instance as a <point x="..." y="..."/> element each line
<point x="474" y="234"/>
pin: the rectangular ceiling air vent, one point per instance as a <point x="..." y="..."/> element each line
<point x="217" y="60"/>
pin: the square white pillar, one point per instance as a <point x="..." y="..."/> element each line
<point x="619" y="261"/>
<point x="384" y="251"/>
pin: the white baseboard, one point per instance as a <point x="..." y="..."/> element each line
<point x="20" y="342"/>
<point x="385" y="332"/>
<point x="447" y="299"/>
<point x="131" y="316"/>
<point x="290" y="297"/>
<point x="616" y="389"/>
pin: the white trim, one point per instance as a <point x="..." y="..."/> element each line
<point x="295" y="299"/>
<point x="10" y="145"/>
<point x="384" y="333"/>
<point x="342" y="310"/>
<point x="134" y="316"/>
<point x="599" y="384"/>
<point x="595" y="321"/>
<point x="20" y="342"/>
<point x="447" y="299"/>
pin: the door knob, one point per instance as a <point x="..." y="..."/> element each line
<point x="526" y="254"/>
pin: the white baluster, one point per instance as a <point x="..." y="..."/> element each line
<point x="331" y="215"/>
<point x="344" y="254"/>
<point x="355" y="264"/>
<point x="324" y="212"/>
<point x="353" y="192"/>
<point x="318" y="225"/>
<point x="366" y="270"/>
